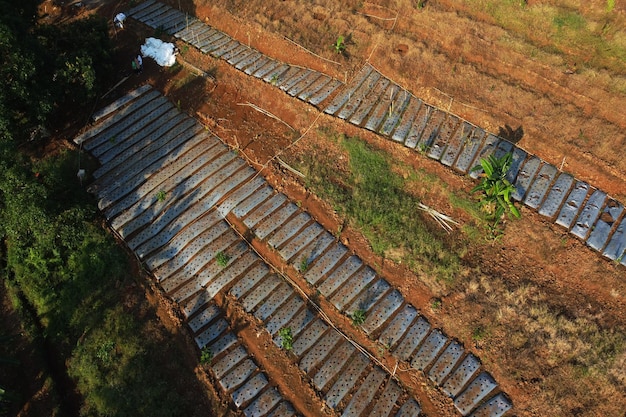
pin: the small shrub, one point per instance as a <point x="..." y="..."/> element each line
<point x="495" y="187"/>
<point x="206" y="356"/>
<point x="435" y="304"/>
<point x="358" y="317"/>
<point x="286" y="338"/>
<point x="222" y="259"/>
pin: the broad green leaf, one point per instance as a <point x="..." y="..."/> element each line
<point x="514" y="210"/>
<point x="487" y="167"/>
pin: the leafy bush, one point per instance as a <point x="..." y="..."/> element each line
<point x="70" y="270"/>
<point x="49" y="68"/>
<point x="58" y="262"/>
<point x="495" y="187"/>
<point x="115" y="371"/>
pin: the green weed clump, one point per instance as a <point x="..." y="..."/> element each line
<point x="358" y="317"/>
<point x="222" y="259"/>
<point x="373" y="197"/>
<point x="206" y="356"/>
<point x="286" y="338"/>
<point x="591" y="39"/>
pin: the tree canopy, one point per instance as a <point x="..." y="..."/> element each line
<point x="46" y="68"/>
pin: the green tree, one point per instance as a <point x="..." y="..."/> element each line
<point x="47" y="68"/>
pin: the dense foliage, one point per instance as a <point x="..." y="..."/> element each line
<point x="56" y="260"/>
<point x="46" y="68"/>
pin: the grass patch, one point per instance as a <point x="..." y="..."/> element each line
<point x="519" y="325"/>
<point x="373" y="196"/>
<point x="571" y="20"/>
<point x="590" y="38"/>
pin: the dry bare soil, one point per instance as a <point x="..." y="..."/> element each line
<point x="546" y="315"/>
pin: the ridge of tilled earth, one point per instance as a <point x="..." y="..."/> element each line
<point x="373" y="101"/>
<point x="166" y="186"/>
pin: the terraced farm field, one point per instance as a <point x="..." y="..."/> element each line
<point x="240" y="241"/>
<point x="169" y="204"/>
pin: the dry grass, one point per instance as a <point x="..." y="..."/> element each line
<point x="575" y="366"/>
<point x="561" y="35"/>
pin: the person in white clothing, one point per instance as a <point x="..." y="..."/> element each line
<point x="139" y="63"/>
<point x="118" y="21"/>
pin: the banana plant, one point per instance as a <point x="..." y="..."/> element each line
<point x="495" y="187"/>
<point x="339" y="45"/>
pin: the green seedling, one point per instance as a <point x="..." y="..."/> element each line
<point x="206" y="356"/>
<point x="286" y="338"/>
<point x="358" y="317"/>
<point x="304" y="264"/>
<point x="222" y="259"/>
<point x="339" y="46"/>
<point x="161" y="195"/>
